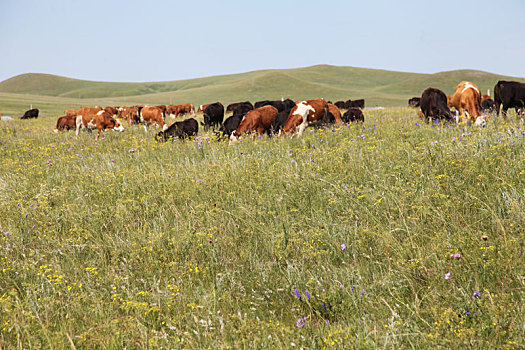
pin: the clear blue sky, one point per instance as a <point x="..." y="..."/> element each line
<point x="155" y="40"/>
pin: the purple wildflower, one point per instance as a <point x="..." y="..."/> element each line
<point x="456" y="256"/>
<point x="362" y="292"/>
<point x="301" y="322"/>
<point x="476" y="295"/>
<point x="324" y="305"/>
<point x="26" y="215"/>
<point x="343" y="246"/>
<point x="352" y="289"/>
<point x="307" y="294"/>
<point x="86" y="195"/>
<point x="297" y="293"/>
<point x="447" y="275"/>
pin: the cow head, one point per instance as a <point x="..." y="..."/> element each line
<point x="117" y="125"/>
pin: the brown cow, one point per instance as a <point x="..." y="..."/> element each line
<point x="258" y="120"/>
<point x="304" y="113"/>
<point x="66" y="122"/>
<point x="101" y="121"/>
<point x="112" y="110"/>
<point x="335" y="112"/>
<point x="131" y="114"/>
<point x="467" y="100"/>
<point x="180" y="110"/>
<point x="152" y="115"/>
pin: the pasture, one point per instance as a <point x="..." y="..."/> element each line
<point x="388" y="234"/>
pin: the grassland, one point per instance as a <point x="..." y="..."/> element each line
<point x="389" y="234"/>
<point x="378" y="87"/>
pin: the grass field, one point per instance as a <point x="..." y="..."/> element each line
<point x="387" y="234"/>
<point x="52" y="94"/>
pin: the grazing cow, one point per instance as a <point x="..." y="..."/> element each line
<point x="353" y="114"/>
<point x="180" y="110"/>
<point x="414" y="102"/>
<point x="232" y="123"/>
<point x="340" y="104"/>
<point x="279" y="121"/>
<point x="32" y="113"/>
<point x="131" y="114"/>
<point x="511" y="94"/>
<point x="356" y="103"/>
<point x="101" y="120"/>
<point x="434" y="105"/>
<point x="181" y="130"/>
<point x="305" y="113"/>
<point x="66" y="122"/>
<point x="336" y="113"/>
<point x="213" y="115"/>
<point x="202" y="108"/>
<point x="467" y="100"/>
<point x="152" y="116"/>
<point x="258" y="120"/>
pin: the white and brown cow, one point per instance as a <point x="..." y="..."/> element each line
<point x="305" y="113"/>
<point x="100" y="120"/>
<point x="152" y="116"/>
<point x="467" y="100"/>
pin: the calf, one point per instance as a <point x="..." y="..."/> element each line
<point x="258" y="120"/>
<point x="353" y="114"/>
<point x="434" y="105"/>
<point x="66" y="122"/>
<point x="181" y="130"/>
<point x="510" y="94"/>
<point x="32" y="113"/>
<point x="305" y="113"/>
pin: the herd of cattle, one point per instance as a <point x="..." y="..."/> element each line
<point x="263" y="117"/>
<point x="286" y="116"/>
<point x="468" y="101"/>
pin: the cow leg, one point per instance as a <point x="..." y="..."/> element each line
<point x="504" y="112"/>
<point x="78" y="123"/>
<point x="145" y="128"/>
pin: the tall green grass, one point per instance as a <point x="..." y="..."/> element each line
<point x="394" y="233"/>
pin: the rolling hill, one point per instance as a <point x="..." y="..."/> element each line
<point x="378" y="87"/>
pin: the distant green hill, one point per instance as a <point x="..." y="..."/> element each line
<point x="378" y="87"/>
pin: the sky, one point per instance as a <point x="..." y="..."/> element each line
<point x="161" y="40"/>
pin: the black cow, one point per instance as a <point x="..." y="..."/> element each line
<point x="32" y="113"/>
<point x="181" y="130"/>
<point x="279" y="121"/>
<point x="353" y="114"/>
<point x="232" y="123"/>
<point x="488" y="105"/>
<point x="288" y="104"/>
<point x="280" y="105"/>
<point x="340" y="104"/>
<point x="356" y="103"/>
<point x="231" y="107"/>
<point x="229" y="126"/>
<point x="213" y="115"/>
<point x="509" y="93"/>
<point x="414" y="102"/>
<point x="434" y="105"/>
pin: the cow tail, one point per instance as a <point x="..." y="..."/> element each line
<point x="497" y="99"/>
